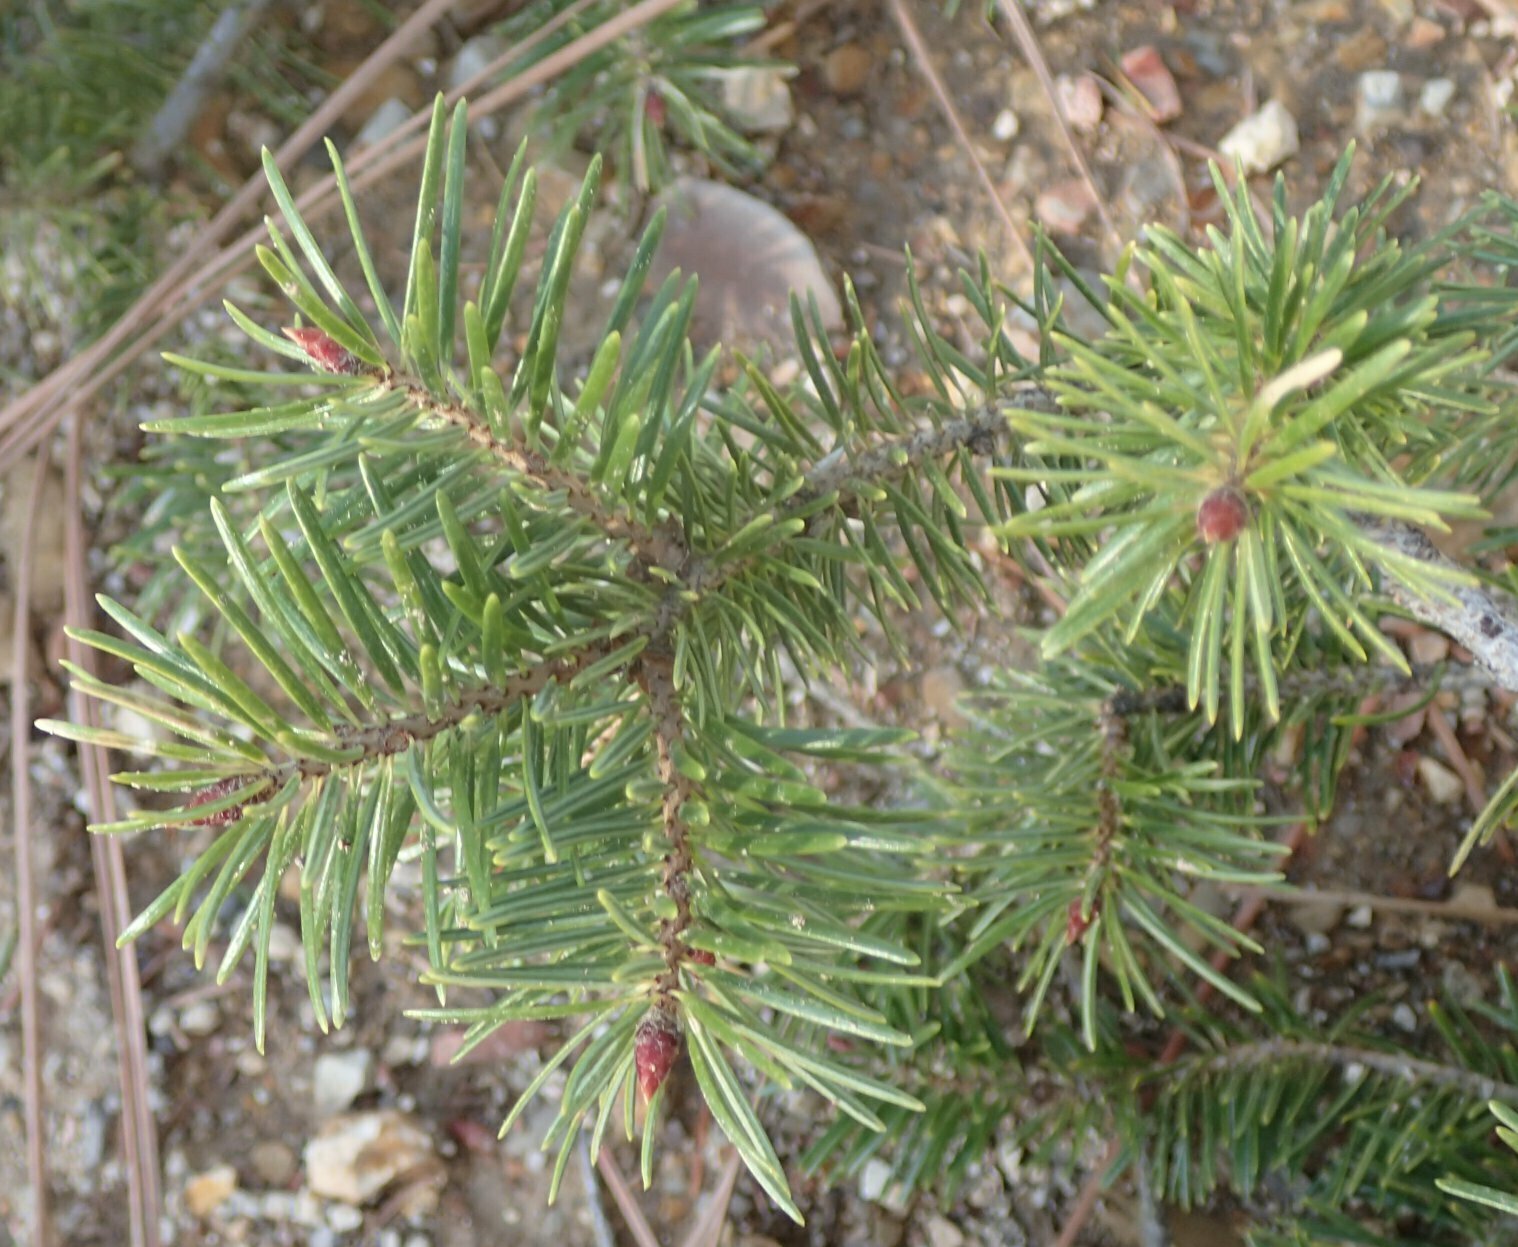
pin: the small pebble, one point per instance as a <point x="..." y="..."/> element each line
<point x="757" y="99"/>
<point x="284" y="943"/>
<point x="344" y="1219"/>
<point x="1064" y="207"/>
<point x="199" y="1017"/>
<point x="1403" y="1018"/>
<point x="1436" y="96"/>
<point x="1360" y="917"/>
<point x="357" y="1156"/>
<point x="472" y="58"/>
<point x="1147" y="70"/>
<point x="1313" y="917"/>
<point x="384" y="121"/>
<point x="206" y="1192"/>
<point x="273" y="1162"/>
<point x="1461" y="986"/>
<point x="1004" y="129"/>
<point x="847" y="69"/>
<point x="1444" y="786"/>
<point x="1081" y="100"/>
<point x="942" y="1232"/>
<point x="1262" y="140"/>
<point x="339" y="1079"/>
<point x="1378" y="100"/>
<point x="1428" y="648"/>
<point x="1423" y="33"/>
<point x="873" y="1178"/>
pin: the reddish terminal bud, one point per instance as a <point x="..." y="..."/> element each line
<point x="1077" y="923"/>
<point x="1222" y="515"/>
<point x="655" y="1048"/>
<point x="701" y="956"/>
<point x="215" y="792"/>
<point x="324" y="352"/>
<point x="654" y="108"/>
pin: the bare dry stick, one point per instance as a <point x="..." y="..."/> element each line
<point x="139" y="1134"/>
<point x="627" y="1203"/>
<point x="173" y="120"/>
<point x="924" y="61"/>
<point x="707" y="1232"/>
<point x="69" y="386"/>
<point x="26" y="892"/>
<point x="1034" y="55"/>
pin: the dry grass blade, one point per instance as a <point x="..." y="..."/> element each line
<point x="1034" y="55"/>
<point x="139" y="1133"/>
<point x="187" y="285"/>
<point x="26" y="891"/>
<point x="919" y="50"/>
<point x="707" y="1232"/>
<point x="28" y="418"/>
<point x="626" y="1202"/>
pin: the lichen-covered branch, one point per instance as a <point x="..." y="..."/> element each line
<point x="889" y="459"/>
<point x="1483" y="620"/>
<point x="1477" y="1087"/>
<point x="894" y="457"/>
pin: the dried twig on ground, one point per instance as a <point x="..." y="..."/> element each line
<point x="26" y="892"/>
<point x="188" y="98"/>
<point x="1034" y="55"/>
<point x="919" y="51"/>
<point x="139" y="1133"/>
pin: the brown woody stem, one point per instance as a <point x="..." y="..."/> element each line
<point x="656" y="675"/>
<point x="662" y="547"/>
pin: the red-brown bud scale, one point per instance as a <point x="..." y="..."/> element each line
<point x="325" y="352"/>
<point x="655" y="1048"/>
<point x="1221" y="515"/>
<point x="1078" y="922"/>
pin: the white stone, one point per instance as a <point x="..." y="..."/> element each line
<point x="943" y="1233"/>
<point x="1004" y="129"/>
<point x="1378" y="99"/>
<point x="1444" y="786"/>
<point x="1262" y="140"/>
<point x="339" y="1079"/>
<point x="873" y="1179"/>
<point x="208" y="1191"/>
<point x="344" y="1219"/>
<point x="385" y="120"/>
<point x="1360" y="917"/>
<point x="402" y="1050"/>
<point x="284" y="943"/>
<point x="472" y="58"/>
<point x="356" y="1156"/>
<point x="1404" y="1018"/>
<point x="1436" y="96"/>
<point x="757" y="99"/>
<point x="199" y="1017"/>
